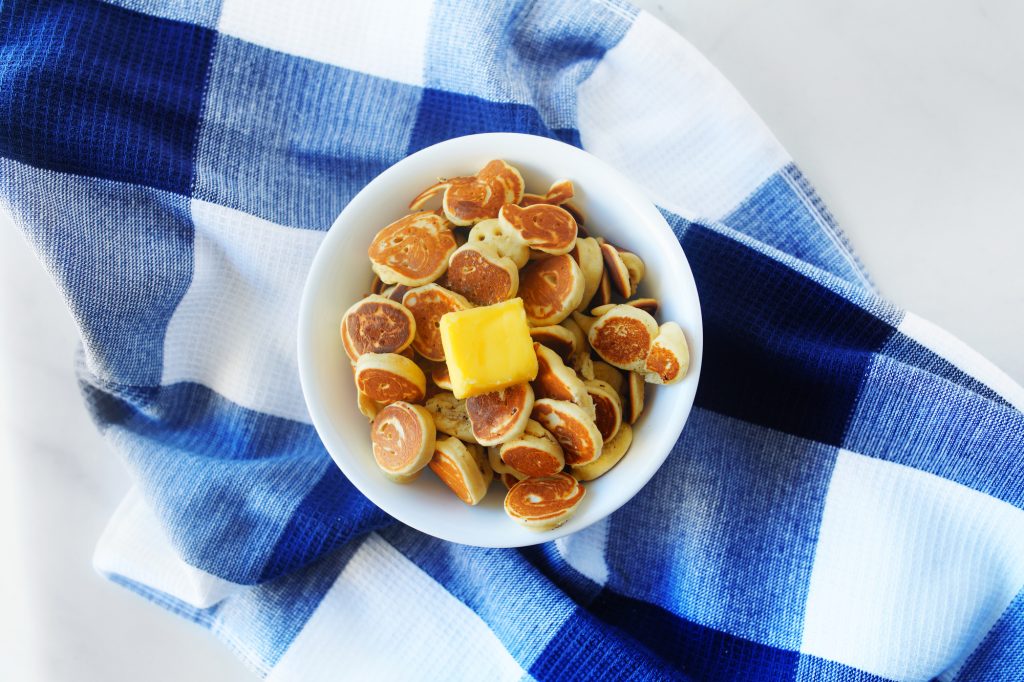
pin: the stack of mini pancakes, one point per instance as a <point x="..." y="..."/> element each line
<point x="490" y="241"/>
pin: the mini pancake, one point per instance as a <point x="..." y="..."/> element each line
<point x="468" y="200"/>
<point x="587" y="253"/>
<point x="500" y="416"/>
<point x="395" y="292"/>
<point x="633" y="405"/>
<point x="509" y="480"/>
<point x="573" y="428"/>
<point x="622" y="336"/>
<point x="534" y="453"/>
<point x="579" y="216"/>
<point x="616" y="269"/>
<point x="377" y="285"/>
<point x="584" y="322"/>
<point x="477" y="272"/>
<point x="367" y="407"/>
<point x="439" y="375"/>
<point x="558" y="382"/>
<point x="387" y="378"/>
<point x="499" y="467"/>
<point x="669" y="357"/>
<point x="480" y="457"/>
<point x="604" y="290"/>
<point x="559" y="193"/>
<point x="583" y="365"/>
<point x="427" y="304"/>
<point x="376" y="325"/>
<point x="551" y="288"/>
<point x="544" y="503"/>
<point x="458" y="469"/>
<point x="614" y="450"/>
<point x="635" y="268"/>
<point x="450" y="416"/>
<point x="544" y="227"/>
<point x="648" y="305"/>
<point x="557" y="338"/>
<point x="578" y="335"/>
<point x="506" y="242"/>
<point x="610" y="375"/>
<point x="413" y="250"/>
<point x="607" y="407"/>
<point x="403" y="438"/>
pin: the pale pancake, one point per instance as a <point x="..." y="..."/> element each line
<point x="450" y="416"/>
<point x="587" y="253"/>
<point x="614" y="450"/>
<point x="507" y="243"/>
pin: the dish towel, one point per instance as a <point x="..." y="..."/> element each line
<point x="846" y="501"/>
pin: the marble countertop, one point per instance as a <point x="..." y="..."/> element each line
<point x="907" y="119"/>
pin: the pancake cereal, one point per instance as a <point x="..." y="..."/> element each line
<point x="503" y="267"/>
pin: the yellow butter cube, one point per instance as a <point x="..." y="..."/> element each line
<point x="488" y="348"/>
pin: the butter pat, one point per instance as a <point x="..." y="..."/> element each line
<point x="488" y="348"/>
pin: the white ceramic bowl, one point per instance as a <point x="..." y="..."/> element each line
<point x="340" y="275"/>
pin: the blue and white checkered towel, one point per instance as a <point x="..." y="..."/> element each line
<point x="846" y="501"/>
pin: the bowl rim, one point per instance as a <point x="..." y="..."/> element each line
<point x="638" y="203"/>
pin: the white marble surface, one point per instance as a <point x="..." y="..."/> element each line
<point x="907" y="117"/>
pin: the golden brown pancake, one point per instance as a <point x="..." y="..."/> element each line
<point x="534" y="453"/>
<point x="573" y="428"/>
<point x="439" y="375"/>
<point x="559" y="193"/>
<point x="616" y="269"/>
<point x="669" y="357"/>
<point x="623" y="336"/>
<point x="551" y="288"/>
<point x="507" y="243"/>
<point x="544" y="227"/>
<point x="395" y="292"/>
<point x="499" y="467"/>
<point x="377" y="285"/>
<point x="614" y="450"/>
<point x="468" y="200"/>
<point x="387" y="378"/>
<point x="427" y="304"/>
<point x="413" y="250"/>
<point x="450" y="416"/>
<point x="587" y="254"/>
<point x="634" y="403"/>
<point x="376" y="325"/>
<point x="557" y="381"/>
<point x="607" y="406"/>
<point x="477" y="272"/>
<point x="557" y="338"/>
<point x="500" y="416"/>
<point x="403" y="438"/>
<point x="456" y="466"/>
<point x="544" y="503"/>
